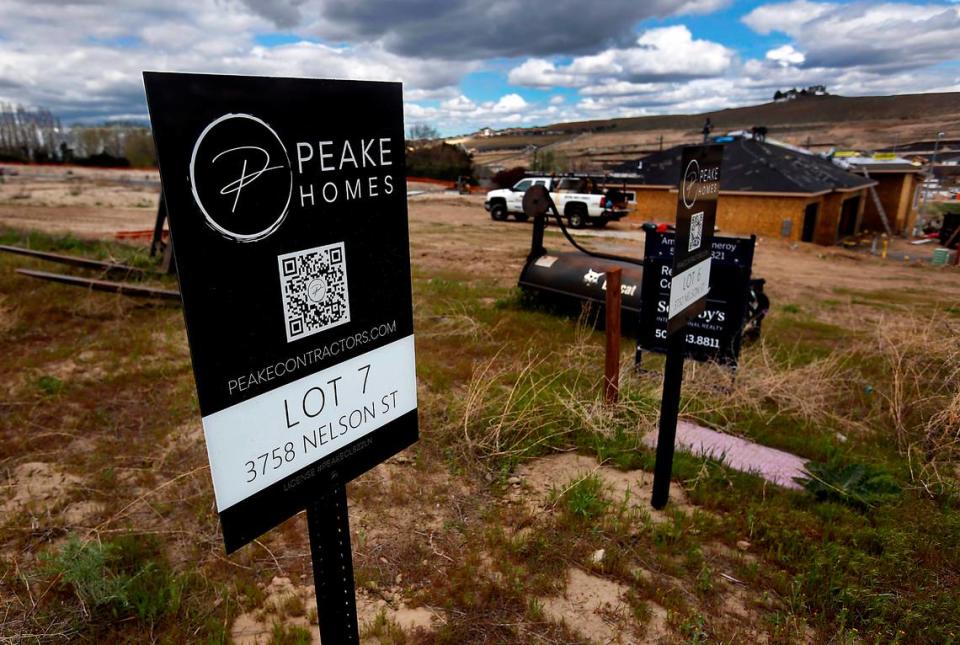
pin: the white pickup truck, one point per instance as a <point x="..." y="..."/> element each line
<point x="579" y="207"/>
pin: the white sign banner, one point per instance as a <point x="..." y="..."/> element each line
<point x="689" y="286"/>
<point x="257" y="443"/>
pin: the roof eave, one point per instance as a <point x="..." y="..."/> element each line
<point x="855" y="188"/>
<point x="761" y="193"/>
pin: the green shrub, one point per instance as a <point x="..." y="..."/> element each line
<point x="117" y="580"/>
<point x="289" y="635"/>
<point x="49" y="385"/>
<point x="858" y="485"/>
<point x="583" y="500"/>
<point x="442" y="161"/>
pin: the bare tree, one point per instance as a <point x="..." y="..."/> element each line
<point x="420" y="131"/>
<point x="29" y="134"/>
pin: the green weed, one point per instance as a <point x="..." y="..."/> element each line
<point x="289" y="635"/>
<point x="583" y="499"/>
<point x="118" y="579"/>
<point x="694" y="629"/>
<point x="860" y="485"/>
<point x="385" y="630"/>
<point x="49" y="385"/>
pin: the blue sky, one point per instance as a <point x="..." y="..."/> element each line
<point x="466" y="64"/>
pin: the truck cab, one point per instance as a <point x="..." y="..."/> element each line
<point x="509" y="201"/>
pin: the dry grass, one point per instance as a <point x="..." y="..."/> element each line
<point x="518" y="406"/>
<point x="922" y="359"/>
<point x="511" y="409"/>
<point x="812" y="391"/>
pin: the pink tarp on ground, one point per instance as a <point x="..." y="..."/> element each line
<point x="773" y="465"/>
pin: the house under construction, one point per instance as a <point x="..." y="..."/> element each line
<point x="766" y="188"/>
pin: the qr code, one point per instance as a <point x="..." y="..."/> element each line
<point x="314" y="287"/>
<point x="696" y="231"/>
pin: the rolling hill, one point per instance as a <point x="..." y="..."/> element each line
<point x="818" y="122"/>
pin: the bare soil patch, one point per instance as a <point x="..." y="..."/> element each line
<point x="592" y="606"/>
<point x="37" y="485"/>
<point x="541" y="477"/>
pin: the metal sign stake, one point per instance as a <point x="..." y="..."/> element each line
<point x="669" y="409"/>
<point x="328" y="524"/>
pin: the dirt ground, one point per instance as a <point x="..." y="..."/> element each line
<point x="451" y="236"/>
<point x="451" y="231"/>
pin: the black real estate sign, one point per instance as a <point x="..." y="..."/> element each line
<point x="696" y="216"/>
<point x="288" y="216"/>
<point x="716" y="333"/>
<point x="689" y="283"/>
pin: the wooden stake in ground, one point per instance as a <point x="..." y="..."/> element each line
<point x="611" y="379"/>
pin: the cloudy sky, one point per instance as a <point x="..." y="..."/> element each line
<point x="466" y="64"/>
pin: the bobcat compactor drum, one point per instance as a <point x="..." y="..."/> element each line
<point x="735" y="307"/>
<point x="572" y="278"/>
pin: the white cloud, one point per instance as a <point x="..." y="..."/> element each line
<point x="881" y="35"/>
<point x="509" y="103"/>
<point x="701" y="7"/>
<point x="465" y="115"/>
<point x="621" y="88"/>
<point x="786" y="55"/>
<point x="83" y="62"/>
<point x="779" y="17"/>
<point x="83" y="58"/>
<point x="459" y="104"/>
<point x="539" y="72"/>
<point x="699" y="95"/>
<point x="766" y="76"/>
<point x="283" y="13"/>
<point x="470" y="29"/>
<point x="664" y="53"/>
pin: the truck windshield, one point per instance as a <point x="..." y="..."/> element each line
<point x="521" y="186"/>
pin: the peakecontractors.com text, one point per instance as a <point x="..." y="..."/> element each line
<point x="312" y="356"/>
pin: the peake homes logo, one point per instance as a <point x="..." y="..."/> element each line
<point x="241" y="177"/>
<point x="691" y="177"/>
<point x="698" y="182"/>
<point x="244" y="182"/>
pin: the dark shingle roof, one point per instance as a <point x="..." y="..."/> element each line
<point x="752" y="166"/>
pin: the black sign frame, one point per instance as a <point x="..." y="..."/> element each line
<point x="717" y="333"/>
<point x="696" y="217"/>
<point x="322" y="165"/>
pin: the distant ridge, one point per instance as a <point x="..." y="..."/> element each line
<point x="802" y="111"/>
<point x="819" y="122"/>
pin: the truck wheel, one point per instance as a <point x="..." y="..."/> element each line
<point x="521" y="217"/>
<point x="498" y="212"/>
<point x="575" y="219"/>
